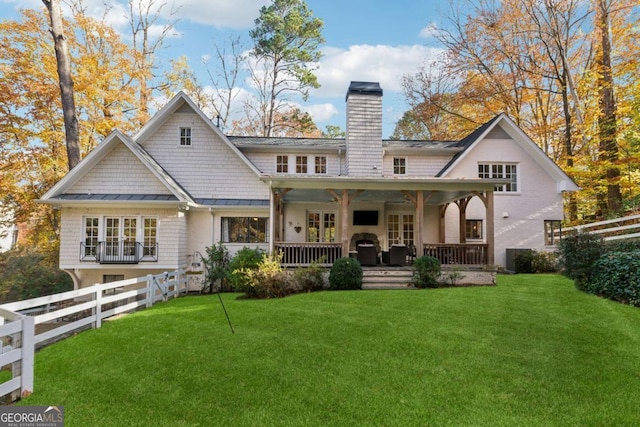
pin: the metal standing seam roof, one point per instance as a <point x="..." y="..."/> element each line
<point x="232" y="202"/>
<point x="119" y="197"/>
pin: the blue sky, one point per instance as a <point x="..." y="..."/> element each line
<point x="366" y="40"/>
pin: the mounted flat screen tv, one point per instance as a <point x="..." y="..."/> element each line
<point x="365" y="217"/>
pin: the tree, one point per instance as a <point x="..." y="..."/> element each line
<point x="286" y="40"/>
<point x="66" y="83"/>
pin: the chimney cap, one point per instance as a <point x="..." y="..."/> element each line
<point x="365" y="88"/>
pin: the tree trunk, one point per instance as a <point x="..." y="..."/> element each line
<point x="66" y="83"/>
<point x="607" y="127"/>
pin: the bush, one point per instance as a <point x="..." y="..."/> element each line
<point x="426" y="270"/>
<point x="245" y="259"/>
<point x="523" y="261"/>
<point x="545" y="262"/>
<point x="617" y="276"/>
<point x="25" y="276"/>
<point x="268" y="280"/>
<point x="217" y="267"/>
<point x="346" y="273"/>
<point x="308" y="279"/>
<point x="577" y="254"/>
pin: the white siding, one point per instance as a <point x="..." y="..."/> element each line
<point x="417" y="166"/>
<point x="520" y="216"/>
<point x="119" y="172"/>
<point x="206" y="169"/>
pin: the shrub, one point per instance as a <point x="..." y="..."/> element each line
<point x="577" y="254"/>
<point x="426" y="270"/>
<point x="346" y="273"/>
<point x="523" y="261"/>
<point x="268" y="280"/>
<point x="545" y="262"/>
<point x="617" y="276"/>
<point x="216" y="266"/>
<point x="245" y="259"/>
<point x="309" y="279"/>
<point x="25" y="276"/>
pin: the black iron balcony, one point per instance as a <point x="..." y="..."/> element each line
<point x="123" y="252"/>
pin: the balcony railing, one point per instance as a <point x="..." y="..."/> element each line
<point x="295" y="254"/>
<point x="119" y="252"/>
<point x="463" y="253"/>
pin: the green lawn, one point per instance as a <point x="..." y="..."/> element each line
<point x="532" y="351"/>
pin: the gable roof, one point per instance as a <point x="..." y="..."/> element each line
<point x="563" y="181"/>
<point x="171" y="107"/>
<point x="57" y="192"/>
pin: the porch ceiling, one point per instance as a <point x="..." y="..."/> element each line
<point x="388" y="190"/>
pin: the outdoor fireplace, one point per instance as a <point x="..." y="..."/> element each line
<point x="364" y="238"/>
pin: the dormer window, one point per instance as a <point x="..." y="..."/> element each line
<point x="399" y="166"/>
<point x="282" y="164"/>
<point x="321" y="165"/>
<point x="185" y="137"/>
<point x="301" y="164"/>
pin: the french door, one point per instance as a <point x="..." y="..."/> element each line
<point x="120" y="239"/>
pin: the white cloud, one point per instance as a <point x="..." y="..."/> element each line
<point x="321" y="112"/>
<point x="429" y="31"/>
<point x="380" y="63"/>
<point x="233" y="14"/>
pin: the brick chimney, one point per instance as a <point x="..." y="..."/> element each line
<point x="364" y="130"/>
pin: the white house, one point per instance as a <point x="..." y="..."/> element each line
<point x="153" y="202"/>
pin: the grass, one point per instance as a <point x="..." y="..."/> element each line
<point x="532" y="351"/>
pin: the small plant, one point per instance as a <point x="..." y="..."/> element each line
<point x="309" y="279"/>
<point x="268" y="280"/>
<point x="452" y="276"/>
<point x="545" y="262"/>
<point x="426" y="270"/>
<point x="245" y="259"/>
<point x="346" y="273"/>
<point x="216" y="267"/>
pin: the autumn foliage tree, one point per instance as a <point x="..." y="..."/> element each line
<point x="562" y="69"/>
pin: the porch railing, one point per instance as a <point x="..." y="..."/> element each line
<point x="462" y="253"/>
<point x="295" y="254"/>
<point x="118" y="252"/>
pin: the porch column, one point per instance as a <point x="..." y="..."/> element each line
<point x="344" y="201"/>
<point x="443" y="211"/>
<point x="462" y="207"/>
<point x="419" y="222"/>
<point x="273" y="218"/>
<point x="490" y="228"/>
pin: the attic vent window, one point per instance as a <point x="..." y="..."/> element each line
<point x="399" y="166"/>
<point x="185" y="137"/>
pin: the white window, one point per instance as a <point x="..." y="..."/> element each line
<point x="399" y="166"/>
<point x="321" y="226"/>
<point x="473" y="229"/>
<point x="185" y="137"/>
<point x="91" y="231"/>
<point x="501" y="170"/>
<point x="282" y="164"/>
<point x="245" y="229"/>
<point x="301" y="164"/>
<point x="321" y="164"/>
<point x="120" y="239"/>
<point x="400" y="229"/>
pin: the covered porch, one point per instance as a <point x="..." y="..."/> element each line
<point x="314" y="219"/>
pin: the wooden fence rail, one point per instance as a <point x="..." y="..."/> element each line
<point x="30" y="324"/>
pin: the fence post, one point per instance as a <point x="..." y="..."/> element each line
<point x="28" y="350"/>
<point x="98" y="307"/>
<point x="150" y="291"/>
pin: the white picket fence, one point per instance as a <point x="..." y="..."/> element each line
<point x="627" y="227"/>
<point x="30" y="324"/>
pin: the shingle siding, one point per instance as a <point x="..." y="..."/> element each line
<point x="364" y="135"/>
<point x="107" y="176"/>
<point x="206" y="169"/>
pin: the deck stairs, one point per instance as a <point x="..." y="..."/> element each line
<point x="387" y="278"/>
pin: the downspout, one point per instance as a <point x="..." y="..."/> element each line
<point x="272" y="219"/>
